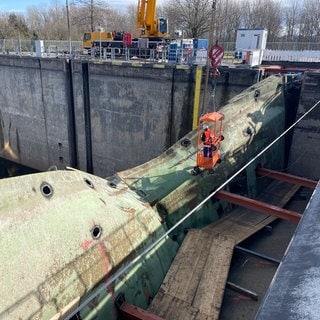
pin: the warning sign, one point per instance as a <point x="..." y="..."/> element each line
<point x="216" y="54"/>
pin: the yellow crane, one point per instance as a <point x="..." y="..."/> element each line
<point x="149" y="27"/>
<point x="148" y="24"/>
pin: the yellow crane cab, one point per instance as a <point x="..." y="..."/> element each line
<point x="208" y="142"/>
<point x="98" y="34"/>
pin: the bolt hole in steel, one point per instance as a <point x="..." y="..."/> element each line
<point x="112" y="185"/>
<point x="46" y="189"/>
<point x="185" y="143"/>
<point x="88" y="183"/>
<point x="96" y="232"/>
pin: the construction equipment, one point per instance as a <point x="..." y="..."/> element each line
<point x="148" y="24"/>
<point x="152" y="33"/>
<point x="98" y="34"/>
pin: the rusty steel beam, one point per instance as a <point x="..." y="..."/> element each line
<point x="258" y="206"/>
<point x="287" y="177"/>
<point x="128" y="311"/>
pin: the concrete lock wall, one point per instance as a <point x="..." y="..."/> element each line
<point x="134" y="113"/>
<point x="99" y="117"/>
<point x="33" y="111"/>
<point x="306" y="135"/>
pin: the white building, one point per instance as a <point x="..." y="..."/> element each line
<point x="250" y="44"/>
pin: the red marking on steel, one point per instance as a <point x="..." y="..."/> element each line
<point x="102" y="249"/>
<point x="261" y="263"/>
<point x="237" y="299"/>
<point x="105" y="259"/>
<point x="86" y="244"/>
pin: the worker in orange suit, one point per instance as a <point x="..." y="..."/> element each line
<point x="207" y="141"/>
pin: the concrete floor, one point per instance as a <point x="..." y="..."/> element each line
<point x="254" y="273"/>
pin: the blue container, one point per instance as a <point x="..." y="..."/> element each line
<point x="173" y="48"/>
<point x="200" y="44"/>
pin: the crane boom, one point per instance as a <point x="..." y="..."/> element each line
<point x="148" y="25"/>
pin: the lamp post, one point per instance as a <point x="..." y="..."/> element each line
<point x="69" y="32"/>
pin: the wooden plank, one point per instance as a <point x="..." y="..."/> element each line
<point x="241" y="223"/>
<point x="212" y="284"/>
<point x="194" y="285"/>
<point x="202" y="288"/>
<point x="185" y="272"/>
<point x="279" y="193"/>
<point x="169" y="307"/>
<point x="201" y="316"/>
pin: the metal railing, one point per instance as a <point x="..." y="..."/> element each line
<point x="56" y="49"/>
<point x="28" y="47"/>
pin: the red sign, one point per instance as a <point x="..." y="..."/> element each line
<point x="127" y="39"/>
<point x="216" y="54"/>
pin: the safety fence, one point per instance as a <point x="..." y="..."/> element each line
<point x="292" y="56"/>
<point x="52" y="48"/>
<point x="186" y="55"/>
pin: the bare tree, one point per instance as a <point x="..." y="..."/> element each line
<point x="247" y="14"/>
<point x="92" y="13"/>
<point x="309" y="23"/>
<point x="191" y="16"/>
<point x="18" y="26"/>
<point x="228" y="20"/>
<point x="291" y="18"/>
<point x="130" y="23"/>
<point x="297" y="20"/>
<point x="263" y="14"/>
<point x="3" y="26"/>
<point x="271" y="19"/>
<point x="48" y="23"/>
<point x="124" y="21"/>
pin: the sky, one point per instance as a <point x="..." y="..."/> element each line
<point x="20" y="6"/>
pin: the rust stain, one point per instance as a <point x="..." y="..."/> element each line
<point x="119" y="192"/>
<point x="131" y="211"/>
<point x="7" y="150"/>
